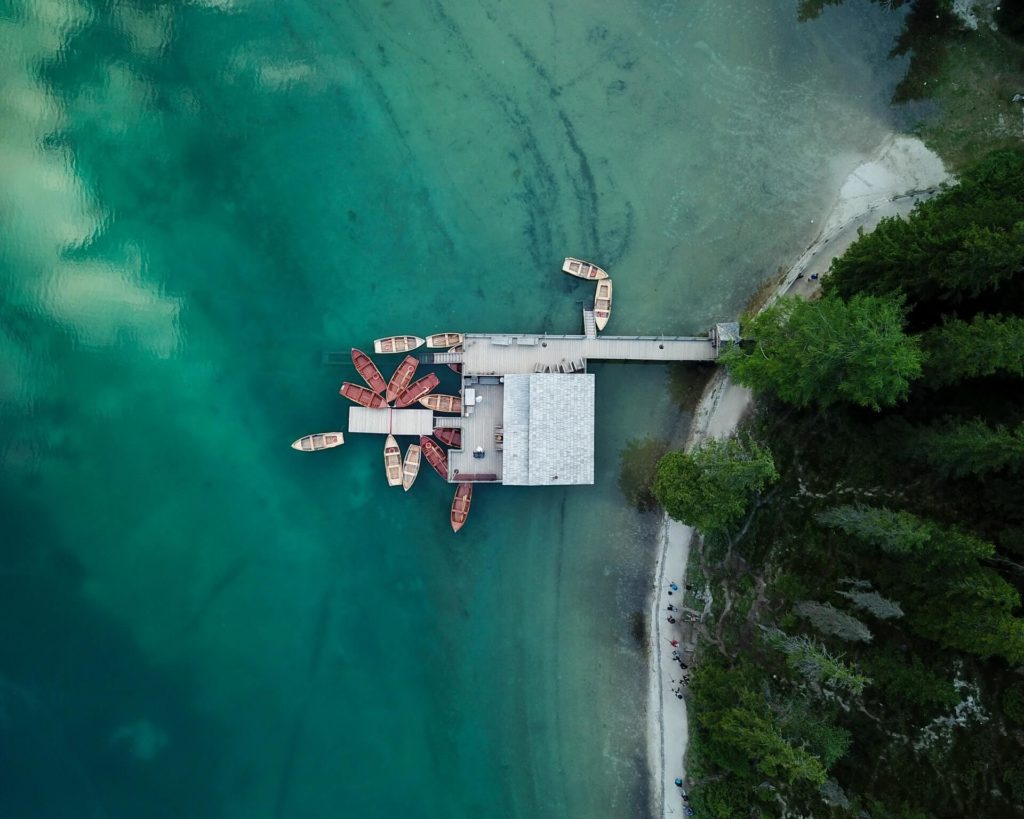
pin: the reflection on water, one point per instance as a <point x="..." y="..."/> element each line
<point x="198" y="200"/>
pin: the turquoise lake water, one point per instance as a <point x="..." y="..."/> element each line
<point x="201" y="198"/>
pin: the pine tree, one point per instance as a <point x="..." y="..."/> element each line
<point x="984" y="346"/>
<point x="901" y="533"/>
<point x="968" y="447"/>
<point x="815" y="663"/>
<point x="874" y="604"/>
<point x="827" y="619"/>
<point x="825" y="351"/>
<point x="967" y="240"/>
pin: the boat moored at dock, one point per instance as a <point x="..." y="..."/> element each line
<point x="443" y="403"/>
<point x="449" y="436"/>
<point x="368" y="370"/>
<point x="411" y="466"/>
<point x="603" y="303"/>
<point x="393" y="461"/>
<point x="460" y="505"/>
<point x="443" y="340"/>
<point x="435" y="456"/>
<point x="363" y="396"/>
<point x="318" y="441"/>
<point x="397" y="344"/>
<point x="582" y="269"/>
<point x="402" y="377"/>
<point x="415" y="391"/>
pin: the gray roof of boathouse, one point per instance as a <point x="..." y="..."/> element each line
<point x="548" y="429"/>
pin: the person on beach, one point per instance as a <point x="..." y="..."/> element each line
<point x="674" y="644"/>
<point x="671" y="619"/>
<point x="672" y="585"/>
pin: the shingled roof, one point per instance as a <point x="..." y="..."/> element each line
<point x="549" y="429"/>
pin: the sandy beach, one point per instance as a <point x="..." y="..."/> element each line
<point x="899" y="173"/>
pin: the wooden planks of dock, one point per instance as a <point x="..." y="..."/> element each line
<point x="509" y="353"/>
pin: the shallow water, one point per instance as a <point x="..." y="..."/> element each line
<point x="199" y="200"/>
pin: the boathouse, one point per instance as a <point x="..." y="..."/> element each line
<point x="528" y="401"/>
<point x="526" y="430"/>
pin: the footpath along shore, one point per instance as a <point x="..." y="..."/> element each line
<point x="901" y="172"/>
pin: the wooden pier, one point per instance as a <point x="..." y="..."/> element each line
<point x="487" y="354"/>
<point x="528" y="401"/>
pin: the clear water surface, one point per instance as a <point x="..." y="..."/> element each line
<point x="199" y="199"/>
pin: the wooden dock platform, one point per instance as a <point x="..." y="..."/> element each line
<point x="502" y="354"/>
<point x="528" y="401"/>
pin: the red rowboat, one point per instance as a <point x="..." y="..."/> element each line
<point x="415" y="391"/>
<point x="460" y="505"/>
<point x="402" y="377"/>
<point x="449" y="436"/>
<point x="435" y="456"/>
<point x="368" y="370"/>
<point x="363" y="396"/>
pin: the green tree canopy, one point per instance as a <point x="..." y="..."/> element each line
<point x="984" y="346"/>
<point x="828" y="350"/>
<point x="711" y="487"/>
<point x="968" y="447"/>
<point x="955" y="601"/>
<point x="962" y="242"/>
<point x="904" y="534"/>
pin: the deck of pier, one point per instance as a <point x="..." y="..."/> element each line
<point x="507" y="353"/>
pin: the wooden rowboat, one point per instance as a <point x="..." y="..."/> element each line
<point x="363" y="396"/>
<point x="393" y="461"/>
<point x="582" y="269"/>
<point x="415" y="391"/>
<point x="411" y="466"/>
<point x="319" y="441"/>
<point x="397" y="344"/>
<point x="435" y="456"/>
<point x="402" y="377"/>
<point x="460" y="505"/>
<point x="441" y="340"/>
<point x="368" y="370"/>
<point x="442" y="403"/>
<point x="456" y="349"/>
<point x="603" y="303"/>
<point x="449" y="436"/>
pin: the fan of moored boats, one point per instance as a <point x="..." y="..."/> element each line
<point x="402" y="391"/>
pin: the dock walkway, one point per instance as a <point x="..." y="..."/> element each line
<point x="489" y="354"/>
